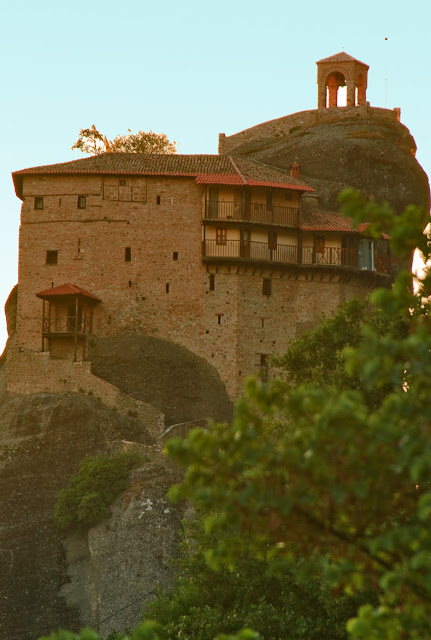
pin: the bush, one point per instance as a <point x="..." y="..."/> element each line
<point x="91" y="492"/>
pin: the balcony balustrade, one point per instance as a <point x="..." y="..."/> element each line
<point x="253" y="212"/>
<point x="289" y="254"/>
<point x="66" y="325"/>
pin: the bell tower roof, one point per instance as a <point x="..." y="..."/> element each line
<point x="341" y="57"/>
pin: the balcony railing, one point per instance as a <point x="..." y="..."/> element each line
<point x="289" y="254"/>
<point x="330" y="255"/>
<point x="254" y="212"/>
<point x="66" y="325"/>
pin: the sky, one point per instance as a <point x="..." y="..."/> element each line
<point x="191" y="70"/>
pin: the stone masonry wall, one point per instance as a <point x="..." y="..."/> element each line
<point x="164" y="289"/>
<point x="39" y="373"/>
<point x="283" y="126"/>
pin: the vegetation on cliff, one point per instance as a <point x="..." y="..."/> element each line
<point x="93" y="489"/>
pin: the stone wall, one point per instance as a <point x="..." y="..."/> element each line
<point x="138" y="248"/>
<point x="242" y="142"/>
<point x="36" y="372"/>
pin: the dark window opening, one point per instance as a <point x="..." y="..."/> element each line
<point x="128" y="254"/>
<point x="82" y="202"/>
<point x="130" y="284"/>
<point x="219" y="315"/>
<point x="167" y="287"/>
<point x="266" y="287"/>
<point x="263" y="322"/>
<point x="38" y="202"/>
<point x="272" y="240"/>
<point x="212" y="282"/>
<point x="157" y="199"/>
<point x="263" y="365"/>
<point x="175" y="255"/>
<point x="221" y="235"/>
<point x="51" y="257"/>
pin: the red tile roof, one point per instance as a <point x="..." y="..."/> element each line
<point x="66" y="289"/>
<point x="327" y="221"/>
<point x="341" y="57"/>
<point x="206" y="169"/>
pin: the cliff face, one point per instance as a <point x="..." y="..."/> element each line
<point x="363" y="148"/>
<point x="42" y="440"/>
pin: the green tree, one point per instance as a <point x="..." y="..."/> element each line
<point x="93" y="142"/>
<point x="320" y="472"/>
<point x="205" y="602"/>
<point x="93" y="489"/>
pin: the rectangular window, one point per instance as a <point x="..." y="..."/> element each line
<point x="221" y="234"/>
<point x="157" y="199"/>
<point x="38" y="202"/>
<point x="82" y="202"/>
<point x="266" y="287"/>
<point x="167" y="287"/>
<point x="128" y="254"/>
<point x="51" y="257"/>
<point x="212" y="282"/>
<point x="263" y="366"/>
<point x="175" y="255"/>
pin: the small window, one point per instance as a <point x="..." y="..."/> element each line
<point x="221" y="235"/>
<point x="167" y="287"/>
<point x="266" y="287"/>
<point x="130" y="284"/>
<point x="219" y="315"/>
<point x="82" y="202"/>
<point x="51" y="257"/>
<point x="175" y="255"/>
<point x="157" y="199"/>
<point x="212" y="282"/>
<point x="128" y="254"/>
<point x="38" y="202"/>
<point x="263" y="366"/>
<point x="122" y="183"/>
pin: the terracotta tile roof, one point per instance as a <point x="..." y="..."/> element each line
<point x="323" y="221"/>
<point x="341" y="57"/>
<point x="206" y="169"/>
<point x="66" y="289"/>
<point x="326" y="221"/>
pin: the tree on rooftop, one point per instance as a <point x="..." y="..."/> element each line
<point x="93" y="142"/>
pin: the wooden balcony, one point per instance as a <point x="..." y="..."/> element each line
<point x="252" y="212"/>
<point x="66" y="326"/>
<point x="290" y="254"/>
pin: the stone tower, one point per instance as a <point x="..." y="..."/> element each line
<point x="337" y="71"/>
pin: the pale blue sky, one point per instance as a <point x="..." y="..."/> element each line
<point x="189" y="69"/>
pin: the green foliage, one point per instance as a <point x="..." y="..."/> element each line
<point x="321" y="472"/>
<point x="205" y="603"/>
<point x="90" y="493"/>
<point x="93" y="142"/>
<point x="145" y="631"/>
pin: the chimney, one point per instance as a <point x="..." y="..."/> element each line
<point x="294" y="170"/>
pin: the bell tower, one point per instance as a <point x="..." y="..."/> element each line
<point x="337" y="71"/>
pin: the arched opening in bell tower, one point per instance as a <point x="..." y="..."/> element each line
<point x="336" y="90"/>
